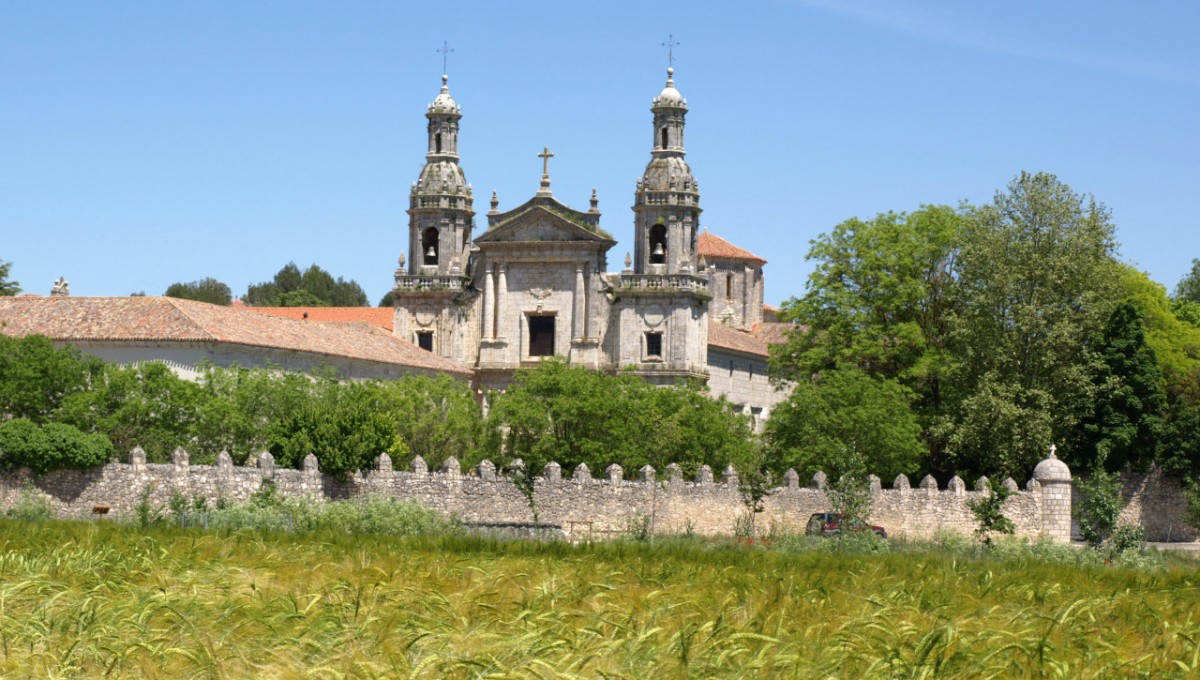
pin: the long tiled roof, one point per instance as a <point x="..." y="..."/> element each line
<point x="382" y="317"/>
<point x="757" y="341"/>
<point x="725" y="337"/>
<point x="711" y="245"/>
<point x="172" y="320"/>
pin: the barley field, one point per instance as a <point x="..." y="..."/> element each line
<point x="103" y="600"/>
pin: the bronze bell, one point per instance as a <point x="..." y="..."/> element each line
<point x="658" y="250"/>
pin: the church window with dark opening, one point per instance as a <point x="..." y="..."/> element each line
<point x="425" y="340"/>
<point x="541" y="336"/>
<point x="429" y="245"/>
<point x="664" y="138"/>
<point x="437" y="142"/>
<point x="654" y="345"/>
<point x="729" y="287"/>
<point x="658" y="244"/>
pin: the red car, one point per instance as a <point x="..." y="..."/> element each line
<point x="830" y="524"/>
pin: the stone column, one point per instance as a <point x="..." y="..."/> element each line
<point x="488" y="311"/>
<point x="1054" y="478"/>
<point x="577" y="322"/>
<point x="501" y="293"/>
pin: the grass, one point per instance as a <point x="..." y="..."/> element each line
<point x="97" y="599"/>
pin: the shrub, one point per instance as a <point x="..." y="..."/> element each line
<point x="31" y="506"/>
<point x="267" y="511"/>
<point x="52" y="446"/>
<point x="1101" y="504"/>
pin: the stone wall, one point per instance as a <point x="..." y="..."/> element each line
<point x="1154" y="501"/>
<point x="583" y="505"/>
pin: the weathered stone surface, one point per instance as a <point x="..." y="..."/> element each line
<point x="583" y="510"/>
<point x="791" y="479"/>
<point x="819" y="481"/>
<point x="486" y="470"/>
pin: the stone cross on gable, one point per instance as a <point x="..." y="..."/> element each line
<point x="545" y="155"/>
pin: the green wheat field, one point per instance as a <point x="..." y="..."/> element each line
<point x="104" y="600"/>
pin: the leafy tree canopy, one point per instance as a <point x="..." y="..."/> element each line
<point x="572" y="415"/>
<point x="844" y="421"/>
<point x="1174" y="339"/>
<point x="205" y="290"/>
<point x="315" y="287"/>
<point x="1188" y="288"/>
<point x="36" y="377"/>
<point x="1128" y="419"/>
<point x="8" y="287"/>
<point x="1038" y="278"/>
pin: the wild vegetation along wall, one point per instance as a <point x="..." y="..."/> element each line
<point x="583" y="505"/>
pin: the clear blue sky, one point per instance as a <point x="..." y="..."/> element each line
<point x="143" y="143"/>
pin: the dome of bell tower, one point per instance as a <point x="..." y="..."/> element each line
<point x="670" y="97"/>
<point x="444" y="104"/>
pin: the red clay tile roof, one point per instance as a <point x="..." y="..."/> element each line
<point x="171" y="319"/>
<point x="377" y="316"/>
<point x="772" y="332"/>
<point x="711" y="245"/>
<point x="727" y="337"/>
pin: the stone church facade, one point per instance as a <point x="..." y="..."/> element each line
<point x="536" y="283"/>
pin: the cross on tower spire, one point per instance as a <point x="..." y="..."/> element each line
<point x="445" y="50"/>
<point x="545" y="155"/>
<point x="670" y="44"/>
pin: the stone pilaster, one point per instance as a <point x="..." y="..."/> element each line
<point x="489" y="305"/>
<point x="501" y="301"/>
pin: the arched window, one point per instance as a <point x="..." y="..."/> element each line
<point x="658" y="244"/>
<point x="429" y="245"/>
<point x="664" y="138"/>
<point x="437" y="142"/>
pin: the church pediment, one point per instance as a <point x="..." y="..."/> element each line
<point x="540" y="223"/>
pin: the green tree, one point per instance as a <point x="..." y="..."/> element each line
<point x="8" y="287"/>
<point x="315" y="287"/>
<point x="1038" y="278"/>
<point x="843" y="420"/>
<point x="572" y="415"/>
<point x="1188" y="288"/>
<point x="147" y="406"/>
<point x="388" y="299"/>
<point x="207" y="290"/>
<point x="239" y="406"/>
<point x="35" y="376"/>
<point x="435" y="417"/>
<point x="881" y="298"/>
<point x="341" y="429"/>
<point x="1174" y="339"/>
<point x="1127" y="422"/>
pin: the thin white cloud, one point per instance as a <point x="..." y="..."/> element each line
<point x="951" y="28"/>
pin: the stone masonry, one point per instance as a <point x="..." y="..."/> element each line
<point x="586" y="507"/>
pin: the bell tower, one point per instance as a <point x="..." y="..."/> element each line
<point x="440" y="206"/>
<point x="667" y="201"/>
<point x="433" y="297"/>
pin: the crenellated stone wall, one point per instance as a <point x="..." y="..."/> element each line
<point x="586" y="507"/>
